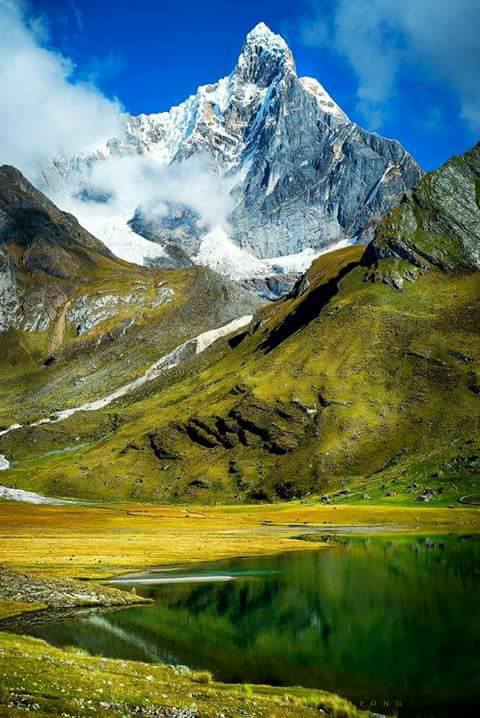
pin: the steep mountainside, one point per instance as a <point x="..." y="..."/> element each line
<point x="439" y="225"/>
<point x="75" y="321"/>
<point x="356" y="382"/>
<point x="304" y="175"/>
<point x="44" y="254"/>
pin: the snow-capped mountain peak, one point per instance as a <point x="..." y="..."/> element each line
<point x="269" y="41"/>
<point x="262" y="33"/>
<point x="301" y="175"/>
<point x="264" y="57"/>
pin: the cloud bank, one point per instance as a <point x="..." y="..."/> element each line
<point x="43" y="111"/>
<point x="46" y="112"/>
<point x="387" y="42"/>
<point x="141" y="181"/>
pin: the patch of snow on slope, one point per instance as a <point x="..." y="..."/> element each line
<point x="272" y="181"/>
<point x="196" y="345"/>
<point x="208" y="338"/>
<point x="326" y="102"/>
<point x="301" y="261"/>
<point x="121" y="239"/>
<point x="218" y="252"/>
<point x="30" y="497"/>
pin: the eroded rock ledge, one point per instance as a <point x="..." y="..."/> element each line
<point x="60" y="593"/>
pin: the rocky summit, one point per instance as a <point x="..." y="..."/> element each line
<point x="301" y="176"/>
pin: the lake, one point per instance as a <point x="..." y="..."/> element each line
<point x="392" y="624"/>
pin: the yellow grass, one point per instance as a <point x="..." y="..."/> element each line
<point x="81" y="541"/>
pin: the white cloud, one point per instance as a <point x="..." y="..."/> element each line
<point x="43" y="111"/>
<point x="387" y="40"/>
<point x="142" y="181"/>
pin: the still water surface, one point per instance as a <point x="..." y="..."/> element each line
<point x="380" y="621"/>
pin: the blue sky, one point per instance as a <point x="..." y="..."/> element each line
<point x="406" y="70"/>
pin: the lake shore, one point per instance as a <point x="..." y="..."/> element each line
<point x="53" y="545"/>
<point x="20" y="592"/>
<point x="49" y="681"/>
<point x="102" y="541"/>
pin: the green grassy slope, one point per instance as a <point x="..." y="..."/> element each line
<point x="357" y="382"/>
<point x="378" y="380"/>
<point x="50" y="682"/>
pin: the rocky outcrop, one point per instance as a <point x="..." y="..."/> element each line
<point x="439" y="225"/>
<point x="59" y="593"/>
<point x="89" y="310"/>
<point x="178" y="226"/>
<point x="274" y="428"/>
<point x="272" y="287"/>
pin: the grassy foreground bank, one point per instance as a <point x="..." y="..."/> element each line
<point x="37" y="678"/>
<point x="96" y="542"/>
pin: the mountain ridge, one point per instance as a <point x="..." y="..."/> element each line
<point x="292" y="190"/>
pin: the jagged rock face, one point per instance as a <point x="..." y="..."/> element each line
<point x="313" y="176"/>
<point x="43" y="252"/>
<point x="178" y="226"/>
<point x="31" y="221"/>
<point x="343" y="183"/>
<point x="440" y="224"/>
<point x="304" y="174"/>
<point x="9" y="299"/>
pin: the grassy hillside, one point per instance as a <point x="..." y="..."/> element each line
<point x="379" y="381"/>
<point x="77" y="322"/>
<point x="363" y="384"/>
<point x="153" y="311"/>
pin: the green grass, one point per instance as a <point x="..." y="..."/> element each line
<point x="386" y="361"/>
<point x="384" y="356"/>
<point x="48" y="681"/>
<point x="9" y="609"/>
